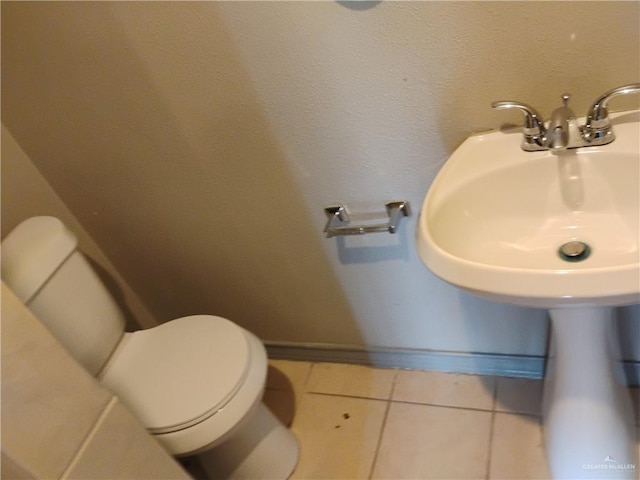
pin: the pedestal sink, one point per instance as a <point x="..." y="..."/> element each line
<point x="558" y="231"/>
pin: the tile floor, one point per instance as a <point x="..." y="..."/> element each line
<point x="358" y="422"/>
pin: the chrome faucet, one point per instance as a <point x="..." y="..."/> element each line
<point x="597" y="129"/>
<point x="534" y="130"/>
<point x="563" y="132"/>
<point x="558" y="132"/>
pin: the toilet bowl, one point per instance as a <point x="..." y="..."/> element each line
<point x="196" y="382"/>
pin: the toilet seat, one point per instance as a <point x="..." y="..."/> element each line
<point x="152" y="370"/>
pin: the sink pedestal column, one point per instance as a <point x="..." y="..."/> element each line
<point x="588" y="419"/>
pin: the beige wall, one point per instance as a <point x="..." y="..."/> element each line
<point x="57" y="421"/>
<point x="25" y="193"/>
<point x="199" y="142"/>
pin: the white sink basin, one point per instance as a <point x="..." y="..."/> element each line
<point x="495" y="217"/>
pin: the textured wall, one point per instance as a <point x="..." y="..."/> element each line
<point x="199" y="142"/>
<point x="25" y="193"/>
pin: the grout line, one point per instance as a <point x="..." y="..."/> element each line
<point x="307" y="376"/>
<point x="490" y="449"/>
<point x="394" y="383"/>
<point x="494" y="403"/>
<point x="384" y="425"/>
<point x="382" y="429"/>
<point x="408" y="402"/>
<point x="89" y="437"/>
<point x="531" y="416"/>
<point x="453" y="407"/>
<point x="303" y="391"/>
<point x="360" y="397"/>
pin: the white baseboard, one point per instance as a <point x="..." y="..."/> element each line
<point x="525" y="366"/>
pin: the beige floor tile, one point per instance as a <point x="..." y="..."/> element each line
<point x="449" y="389"/>
<point x="517" y="448"/>
<point x="424" y="441"/>
<point x="284" y="374"/>
<point x="519" y="395"/>
<point x="338" y="436"/>
<point x="286" y="380"/>
<point x="351" y="380"/>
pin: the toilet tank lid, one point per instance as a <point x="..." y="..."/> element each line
<point x="32" y="252"/>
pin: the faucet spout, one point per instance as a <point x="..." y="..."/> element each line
<point x="558" y="136"/>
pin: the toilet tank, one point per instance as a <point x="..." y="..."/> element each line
<point x="41" y="264"/>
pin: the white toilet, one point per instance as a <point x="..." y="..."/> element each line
<point x="196" y="382"/>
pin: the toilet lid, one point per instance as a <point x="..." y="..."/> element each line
<point x="179" y="373"/>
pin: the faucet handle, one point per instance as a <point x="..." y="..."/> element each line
<point x="532" y="119"/>
<point x="597" y="129"/>
<point x="533" y="128"/>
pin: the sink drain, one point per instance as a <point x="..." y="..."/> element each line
<point x="574" y="251"/>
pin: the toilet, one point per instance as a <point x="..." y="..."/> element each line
<point x="196" y="382"/>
